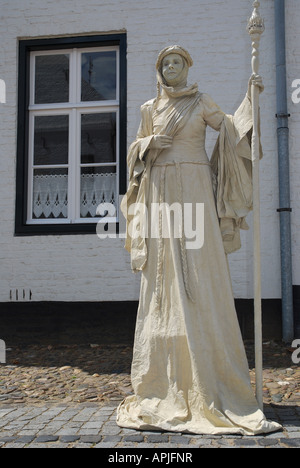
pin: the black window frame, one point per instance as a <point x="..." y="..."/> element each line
<point x="25" y="49"/>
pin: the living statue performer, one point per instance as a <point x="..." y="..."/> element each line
<point x="189" y="371"/>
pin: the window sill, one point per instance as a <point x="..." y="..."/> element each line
<point x="57" y="229"/>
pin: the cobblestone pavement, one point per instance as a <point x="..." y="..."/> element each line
<point x="95" y="427"/>
<point x="65" y="396"/>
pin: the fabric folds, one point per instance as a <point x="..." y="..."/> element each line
<point x="189" y="371"/>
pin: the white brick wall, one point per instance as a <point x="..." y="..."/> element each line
<point x="83" y="268"/>
<point x="293" y="73"/>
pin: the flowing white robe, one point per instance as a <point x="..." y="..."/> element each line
<point x="190" y="371"/>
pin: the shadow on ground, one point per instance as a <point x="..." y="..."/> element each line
<point x="68" y="356"/>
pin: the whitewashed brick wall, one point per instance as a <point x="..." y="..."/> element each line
<point x="81" y="267"/>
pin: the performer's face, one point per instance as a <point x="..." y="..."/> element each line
<point x="172" y="66"/>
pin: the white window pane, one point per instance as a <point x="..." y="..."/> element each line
<point x="98" y="138"/>
<point x="98" y="76"/>
<point x="72" y="140"/>
<point x="52" y="79"/>
<point x="51" y="140"/>
<point x="50" y="194"/>
<point x="98" y="185"/>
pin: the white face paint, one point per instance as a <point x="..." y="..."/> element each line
<point x="172" y="68"/>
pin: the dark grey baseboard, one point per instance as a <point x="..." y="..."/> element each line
<point x="113" y="322"/>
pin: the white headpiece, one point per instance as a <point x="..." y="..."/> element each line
<point x="175" y="49"/>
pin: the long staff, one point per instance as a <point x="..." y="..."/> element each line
<point x="256" y="28"/>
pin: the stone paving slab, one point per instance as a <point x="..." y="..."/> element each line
<point x="95" y="427"/>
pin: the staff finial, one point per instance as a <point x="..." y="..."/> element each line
<point x="256" y="23"/>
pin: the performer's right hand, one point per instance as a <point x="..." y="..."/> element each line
<point x="161" y="142"/>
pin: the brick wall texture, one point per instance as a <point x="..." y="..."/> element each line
<point x="83" y="267"/>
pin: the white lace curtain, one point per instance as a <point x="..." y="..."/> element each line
<point x="96" y="189"/>
<point x="50" y="194"/>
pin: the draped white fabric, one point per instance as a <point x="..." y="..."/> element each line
<point x="50" y="194"/>
<point x="190" y="371"/>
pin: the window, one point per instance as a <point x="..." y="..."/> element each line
<point x="72" y="132"/>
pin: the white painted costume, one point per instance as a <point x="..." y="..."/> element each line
<point x="190" y="371"/>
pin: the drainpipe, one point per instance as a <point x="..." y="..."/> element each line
<point x="284" y="176"/>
